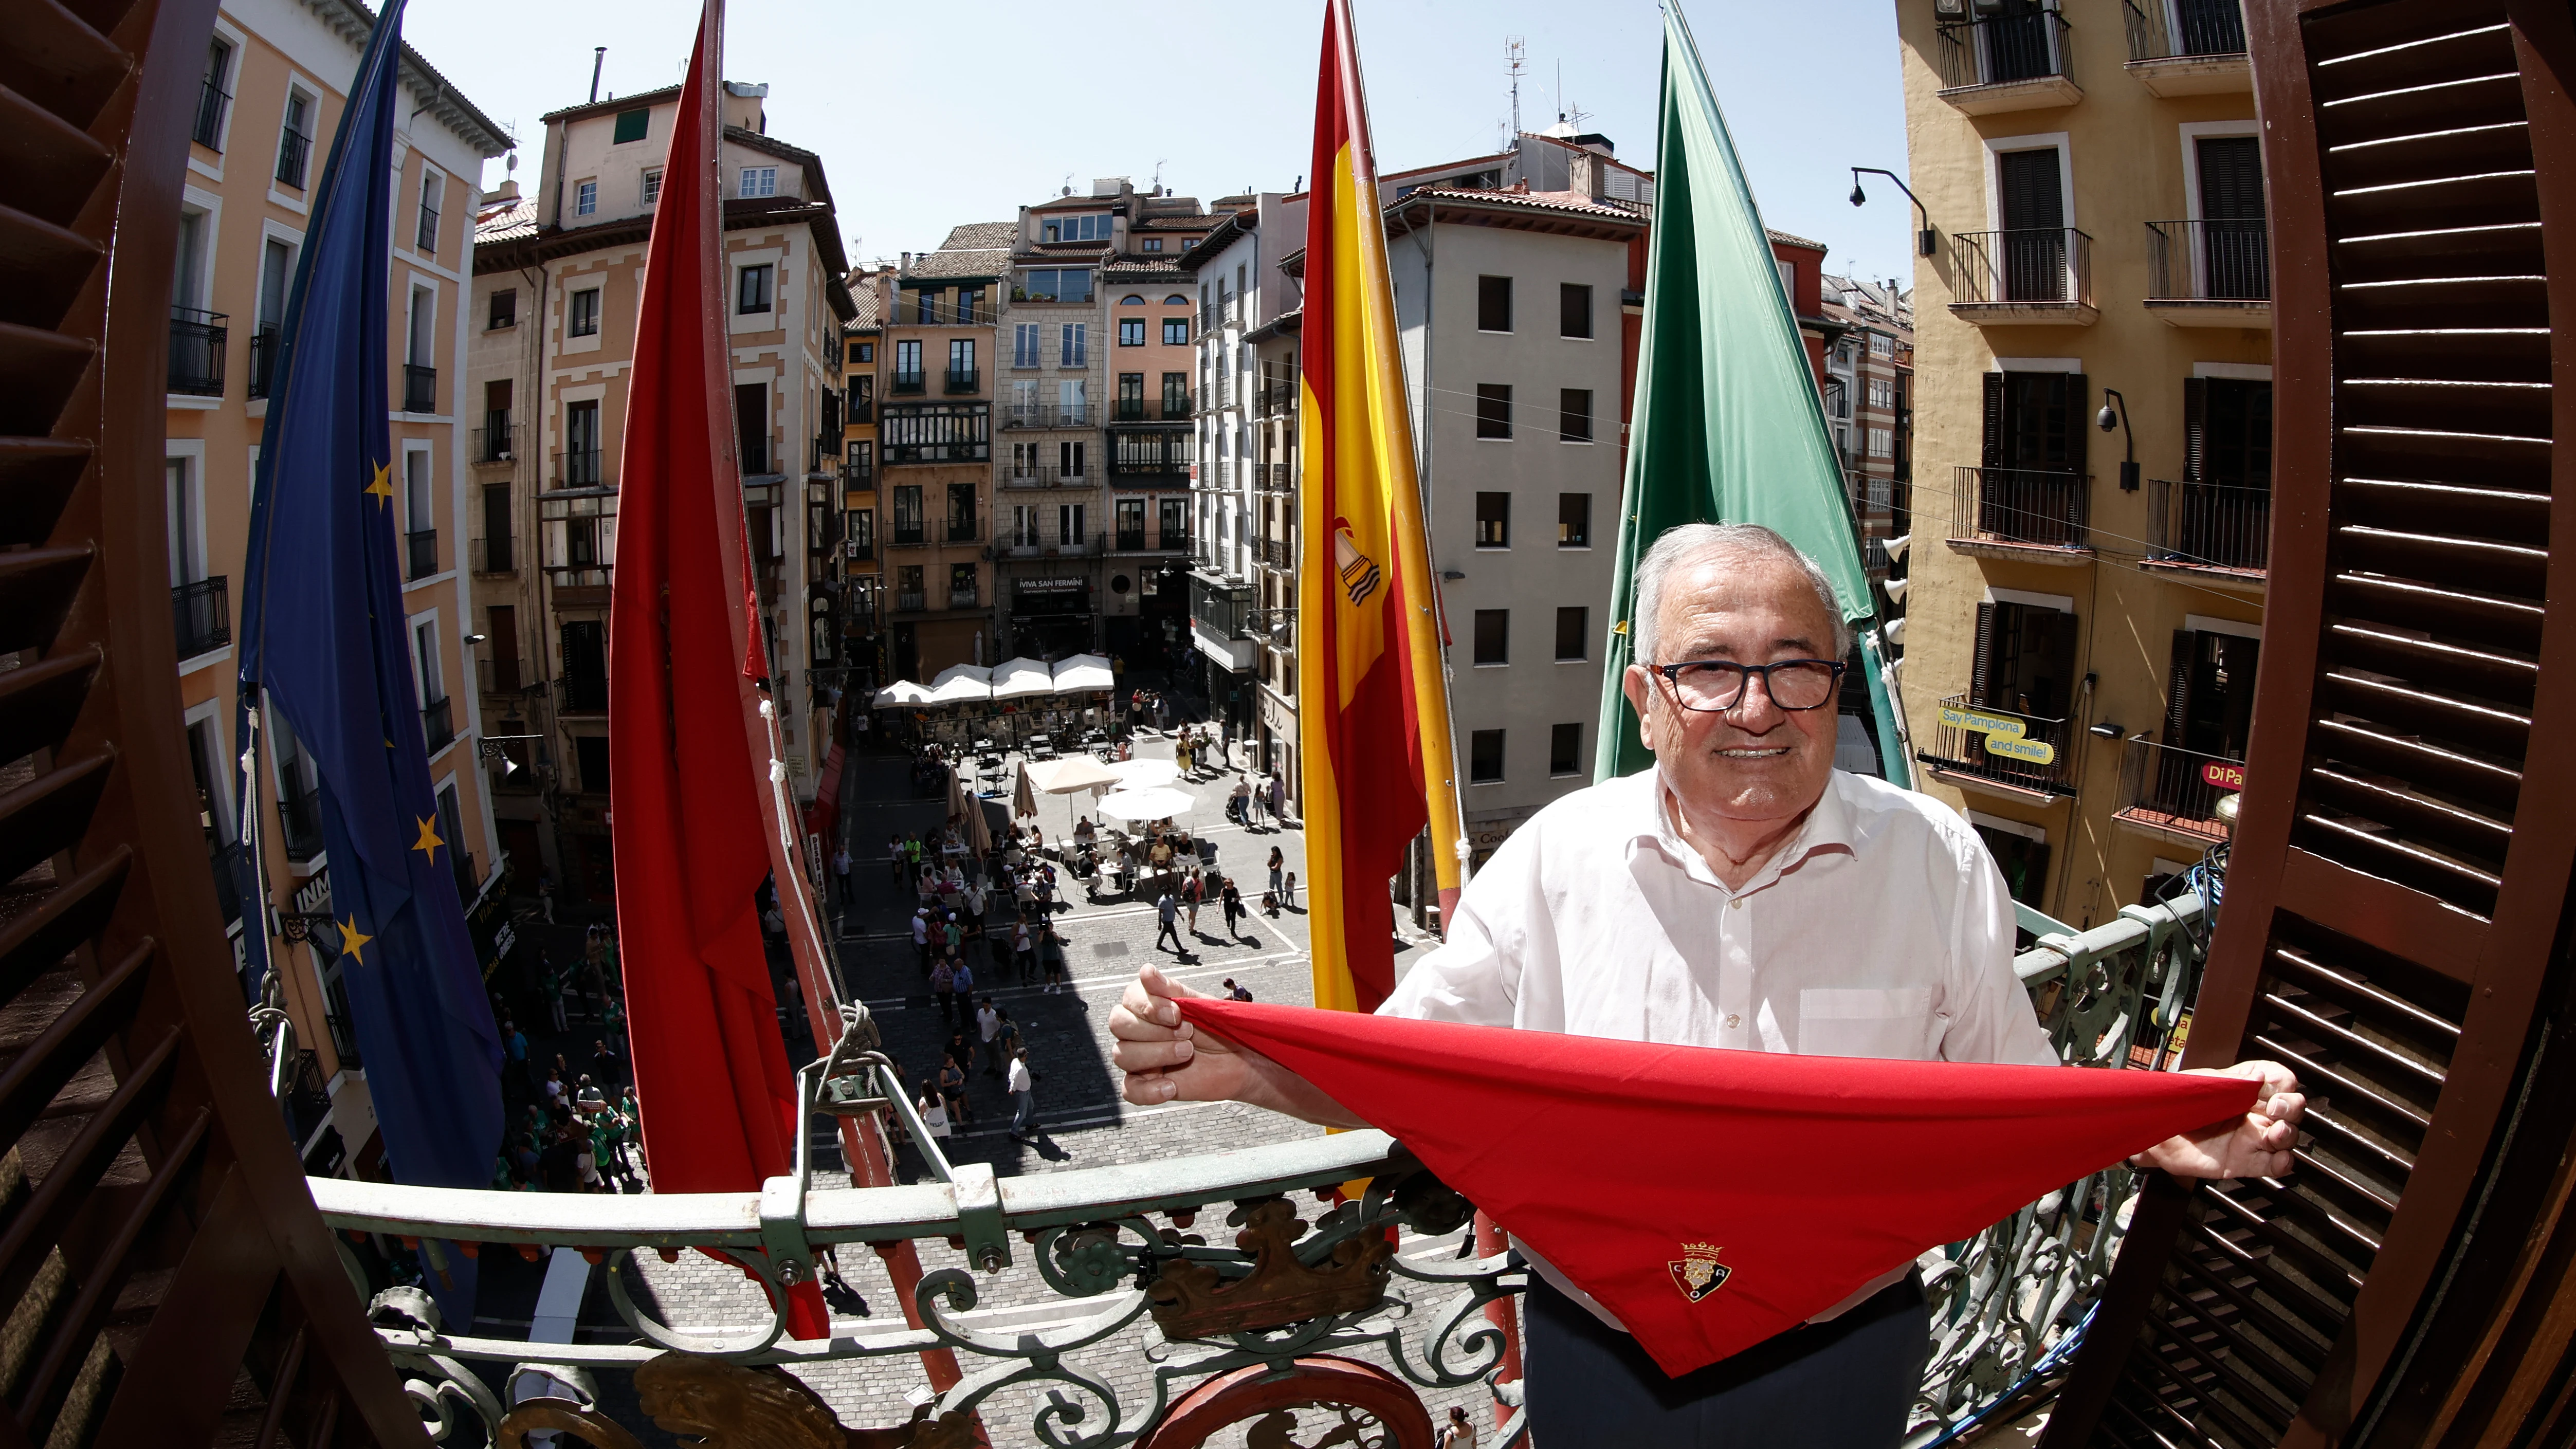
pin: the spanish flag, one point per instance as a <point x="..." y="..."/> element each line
<point x="1373" y="717"/>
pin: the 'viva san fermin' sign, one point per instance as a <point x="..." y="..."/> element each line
<point x="2004" y="734"/>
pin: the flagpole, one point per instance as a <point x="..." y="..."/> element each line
<point x="1410" y="531"/>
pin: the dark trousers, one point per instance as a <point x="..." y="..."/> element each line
<point x="1843" y="1384"/>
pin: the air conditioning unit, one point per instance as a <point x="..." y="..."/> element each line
<point x="1950" y="9"/>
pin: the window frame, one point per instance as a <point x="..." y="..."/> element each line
<point x="1580" y="615"/>
<point x="1567" y="416"/>
<point x="1493" y="412"/>
<point x="1566" y="294"/>
<point x="756" y="181"/>
<point x="1493" y="297"/>
<point x="1584" y="538"/>
<point x="1493" y="521"/>
<point x="767" y="287"/>
<point x="585" y="197"/>
<point x="1557" y="753"/>
<point x="1476" y="747"/>
<point x="1490" y="639"/>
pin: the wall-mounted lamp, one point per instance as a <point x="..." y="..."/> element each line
<point x="1925" y="240"/>
<point x="2106" y="421"/>
<point x="2107" y="729"/>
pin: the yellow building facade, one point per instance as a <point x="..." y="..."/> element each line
<point x="2080" y="635"/>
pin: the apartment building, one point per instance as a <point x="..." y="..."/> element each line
<point x="2084" y="610"/>
<point x="557" y="283"/>
<point x="861" y="594"/>
<point x="1869" y="388"/>
<point x="275" y="83"/>
<point x="936" y="380"/>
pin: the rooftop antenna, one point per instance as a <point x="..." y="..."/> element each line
<point x="1158" y="173"/>
<point x="1515" y="59"/>
<point x="598" y="58"/>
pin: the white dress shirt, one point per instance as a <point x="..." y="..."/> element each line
<point x="1883" y="929"/>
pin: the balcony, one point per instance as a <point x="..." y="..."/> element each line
<point x="420" y="554"/>
<point x="907" y="382"/>
<point x="1999" y="751"/>
<point x="903" y="537"/>
<point x="437" y="725"/>
<point x="1276" y="399"/>
<point x="582" y="694"/>
<point x="2211" y="273"/>
<point x="2036" y="514"/>
<point x="962" y="599"/>
<point x="1174" y="540"/>
<point x="263" y="358"/>
<point x="1051" y="415"/>
<point x="1128" y="540"/>
<point x="2219" y="532"/>
<point x="203" y="614"/>
<point x="963" y="379"/>
<point x="2172" y="794"/>
<point x="1143" y="410"/>
<point x="294" y="151"/>
<point x="299" y="816"/>
<point x="943" y="317"/>
<point x="2029" y="276"/>
<point x="911" y="603"/>
<point x="500" y="676"/>
<point x="498" y="554"/>
<point x="1275" y="477"/>
<point x="580" y="470"/>
<point x="212" y="101"/>
<point x="2008" y="63"/>
<point x="2188" y="47"/>
<point x="197" y="341"/>
<point x="420" y="388"/>
<point x="1278" y="553"/>
<point x="1047" y="478"/>
<point x="496" y="441"/>
<point x="755" y="456"/>
<point x="962" y="530"/>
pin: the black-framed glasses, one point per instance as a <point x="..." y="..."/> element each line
<point x="1718" y="684"/>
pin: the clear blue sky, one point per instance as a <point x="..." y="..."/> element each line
<point x="931" y="114"/>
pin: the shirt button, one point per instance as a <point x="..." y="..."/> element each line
<point x="1736" y="904"/>
<point x="1733" y="1021"/>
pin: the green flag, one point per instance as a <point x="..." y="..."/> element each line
<point x="1728" y="427"/>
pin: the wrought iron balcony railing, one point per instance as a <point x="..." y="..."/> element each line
<point x="2175" y="792"/>
<point x="964" y="379"/>
<point x="1048" y="415"/>
<point x="2025" y="751"/>
<point x="437" y="725"/>
<point x="2158" y="31"/>
<point x="1047" y="478"/>
<point x="903" y="537"/>
<point x="2044" y="507"/>
<point x="2007" y="49"/>
<point x="212" y="101"/>
<point x="580" y="470"/>
<point x="496" y="441"/>
<point x="420" y="553"/>
<point x="203" y="612"/>
<point x="2042" y="266"/>
<point x="911" y="603"/>
<point x="197" y="341"/>
<point x="420" y="388"/>
<point x="582" y="694"/>
<point x="500" y="676"/>
<point x="962" y="599"/>
<point x="263" y="357"/>
<point x="1151" y="410"/>
<point x="907" y="382"/>
<point x="2209" y="526"/>
<point x="2220" y="260"/>
<point x="1094" y="1258"/>
<point x="294" y="148"/>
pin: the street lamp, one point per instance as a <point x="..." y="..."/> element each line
<point x="1924" y="242"/>
<point x="489" y="747"/>
<point x="2106" y="421"/>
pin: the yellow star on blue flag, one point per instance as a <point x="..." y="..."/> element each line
<point x="383" y="486"/>
<point x="353" y="942"/>
<point x="429" y="842"/>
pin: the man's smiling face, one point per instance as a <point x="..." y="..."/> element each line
<point x="1756" y="762"/>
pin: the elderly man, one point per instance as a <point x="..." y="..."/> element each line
<point x="1745" y="894"/>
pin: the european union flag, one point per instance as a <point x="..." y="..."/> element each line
<point x="325" y="635"/>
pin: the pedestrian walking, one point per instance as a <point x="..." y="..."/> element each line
<point x="934" y="1111"/>
<point x="550" y="988"/>
<point x="841" y="871"/>
<point x="1278" y="863"/>
<point x="1233" y="899"/>
<point x="1279" y="801"/>
<point x="1024" y="962"/>
<point x="894" y="855"/>
<point x="952" y="1091"/>
<point x="921" y="936"/>
<point x="1168" y="912"/>
<point x="1024" y="1101"/>
<point x="607" y="1065"/>
<point x="943" y="989"/>
<point x="546" y="895"/>
<point x="516" y="1041"/>
<point x="1238" y="804"/>
<point x="1289" y="893"/>
<point x="988" y="1023"/>
<point x="1051" y="958"/>
<point x="965" y="986"/>
<point x="1458" y="1433"/>
<point x="1192" y="891"/>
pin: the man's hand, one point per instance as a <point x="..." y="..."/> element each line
<point x="2255" y="1145"/>
<point x="1169" y="1060"/>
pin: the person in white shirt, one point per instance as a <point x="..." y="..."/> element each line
<point x="1743" y="893"/>
<point x="988" y="1020"/>
<point x="1024" y="1102"/>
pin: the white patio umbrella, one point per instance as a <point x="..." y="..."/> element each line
<point x="1084" y="672"/>
<point x="1144" y="774"/>
<point x="1064" y="777"/>
<point x="962" y="684"/>
<point x="902" y="694"/>
<point x="1022" y="679"/>
<point x="1153" y="803"/>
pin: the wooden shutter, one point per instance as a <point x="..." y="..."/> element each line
<point x="2186" y="649"/>
<point x="151" y="1182"/>
<point x="2195" y="429"/>
<point x="2079" y="423"/>
<point x="2393" y="912"/>
<point x="1993" y="455"/>
<point x="2058" y="650"/>
<point x="1981" y="673"/>
<point x="2031" y="190"/>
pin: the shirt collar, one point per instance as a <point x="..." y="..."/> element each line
<point x="1828" y="826"/>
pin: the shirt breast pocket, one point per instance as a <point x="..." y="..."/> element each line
<point x="1841" y="1021"/>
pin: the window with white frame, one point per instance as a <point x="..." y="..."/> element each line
<point x="1024" y="345"/>
<point x="583" y="317"/>
<point x="1882" y="442"/>
<point x="758" y="181"/>
<point x="652" y="185"/>
<point x="755" y="289"/>
<point x="585" y="198"/>
<point x="1074" y="349"/>
<point x="1094" y="227"/>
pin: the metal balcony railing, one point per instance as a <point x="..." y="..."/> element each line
<point x="1173" y="540"/>
<point x="1276" y="399"/>
<point x="420" y="553"/>
<point x="203" y="615"/>
<point x="1151" y="410"/>
<point x="425" y="238"/>
<point x="1276" y="552"/>
<point x="299" y="814"/>
<point x="420" y="388"/>
<point x="2222" y="260"/>
<point x="2167" y="788"/>
<point x="2038" y="506"/>
<point x="2026" y="751"/>
<point x="945" y="317"/>
<point x="907" y="382"/>
<point x="500" y="676"/>
<point x="582" y="694"/>
<point x="580" y="470"/>
<point x="437" y="725"/>
<point x="212" y="101"/>
<point x="2015" y="1292"/>
<point x="962" y="599"/>
<point x="1048" y="415"/>
<point x="862" y="410"/>
<point x="964" y="379"/>
<point x="496" y="441"/>
<point x="2189" y="27"/>
<point x="755" y="455"/>
<point x="2041" y="265"/>
<point x="2209" y="525"/>
<point x="964" y="530"/>
<point x="294" y="149"/>
<point x="2006" y="49"/>
<point x="911" y="603"/>
<point x="1047" y="478"/>
<point x="912" y="537"/>
<point x="263" y="358"/>
<point x="197" y="341"/>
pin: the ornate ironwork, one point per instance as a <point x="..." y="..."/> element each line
<point x="1115" y="1244"/>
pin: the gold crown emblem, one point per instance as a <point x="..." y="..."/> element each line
<point x="1701" y="1250"/>
<point x="1697" y="1273"/>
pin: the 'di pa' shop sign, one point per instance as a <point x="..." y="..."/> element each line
<point x="2004" y="734"/>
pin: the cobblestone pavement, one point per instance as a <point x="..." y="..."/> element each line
<point x="1083" y="1123"/>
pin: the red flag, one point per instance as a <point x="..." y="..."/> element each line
<point x="1710" y="1198"/>
<point x="711" y="1072"/>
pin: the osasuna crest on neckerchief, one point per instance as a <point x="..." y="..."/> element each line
<point x="1697" y="1272"/>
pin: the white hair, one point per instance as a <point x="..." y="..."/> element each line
<point x="1735" y="542"/>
